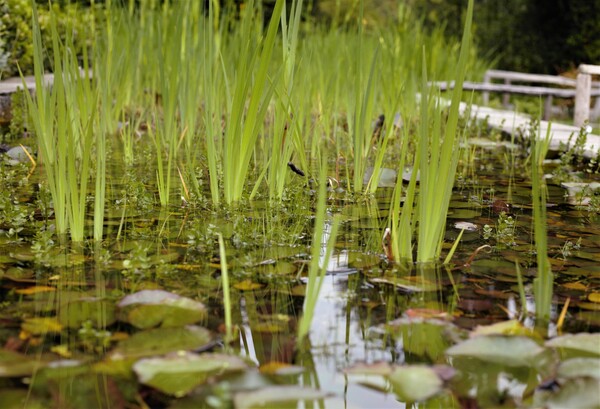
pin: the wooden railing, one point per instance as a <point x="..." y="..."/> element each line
<point x="581" y="89"/>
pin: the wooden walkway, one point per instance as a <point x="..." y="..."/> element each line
<point x="512" y="122"/>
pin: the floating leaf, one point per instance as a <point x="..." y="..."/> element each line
<point x="21" y="398"/>
<point x="576" y="367"/>
<point x="13" y="364"/>
<point x="424" y="338"/>
<point x="281" y="268"/>
<point x="160" y="341"/>
<point x="583" y="342"/>
<point x="41" y="325"/>
<point x="100" y="312"/>
<point x="177" y="374"/>
<point x="411" y="284"/>
<point x="578" y="393"/>
<point x="151" y="308"/>
<point x="276" y="396"/>
<point x="511" y="327"/>
<point x="35" y="290"/>
<point x="378" y="368"/>
<point x="468" y="226"/>
<point x="280" y="368"/>
<point x="414" y="383"/>
<point x="247" y="285"/>
<point x="509" y="351"/>
<point x="594" y="297"/>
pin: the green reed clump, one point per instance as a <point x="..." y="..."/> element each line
<point x="64" y="117"/>
<point x="436" y="160"/>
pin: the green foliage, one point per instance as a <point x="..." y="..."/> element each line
<point x="16" y="35"/>
<point x="525" y="35"/>
<point x="16" y="44"/>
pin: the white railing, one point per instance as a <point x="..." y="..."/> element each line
<point x="581" y="89"/>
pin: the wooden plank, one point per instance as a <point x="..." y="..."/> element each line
<point x="526" y="77"/>
<point x="589" y="69"/>
<point x="514" y="89"/>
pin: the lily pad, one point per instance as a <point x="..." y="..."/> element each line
<point x="576" y="367"/>
<point x="510" y="351"/>
<point x="409" y="284"/>
<point x="580" y="343"/>
<point x="414" y="383"/>
<point x="41" y="325"/>
<point x="276" y="396"/>
<point x="151" y="308"/>
<point x="177" y="374"/>
<point x="13" y="364"/>
<point x="160" y="341"/>
<point x="578" y="393"/>
<point x="100" y="312"/>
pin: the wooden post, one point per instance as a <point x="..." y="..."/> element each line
<point x="547" y="108"/>
<point x="506" y="95"/>
<point x="583" y="91"/>
<point x="486" y="95"/>
<point x="582" y="98"/>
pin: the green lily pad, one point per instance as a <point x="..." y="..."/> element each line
<point x="160" y="341"/>
<point x="276" y="396"/>
<point x="13" y="364"/>
<point x="580" y="343"/>
<point x="578" y="393"/>
<point x="21" y="398"/>
<point x="177" y="374"/>
<point x="151" y="308"/>
<point x="281" y="268"/>
<point x="410" y="284"/>
<point x="41" y="325"/>
<point x="510" y="351"/>
<point x="423" y="338"/>
<point x="577" y="367"/>
<point x="100" y="312"/>
<point x="414" y="383"/>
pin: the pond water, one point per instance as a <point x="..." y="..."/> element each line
<point x="138" y="321"/>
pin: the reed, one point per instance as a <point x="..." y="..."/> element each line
<point x="64" y="119"/>
<point x="250" y="95"/>
<point x="436" y="160"/>
<point x="544" y="281"/>
<point x="324" y="233"/>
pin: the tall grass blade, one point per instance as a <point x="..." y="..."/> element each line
<point x="318" y="263"/>
<point x="543" y="283"/>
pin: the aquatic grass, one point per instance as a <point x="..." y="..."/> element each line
<point x="435" y="163"/>
<point x="544" y="281"/>
<point x="323" y="241"/>
<point x="439" y="158"/>
<point x="250" y="95"/>
<point x="212" y="78"/>
<point x="64" y="119"/>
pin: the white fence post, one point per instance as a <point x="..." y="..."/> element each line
<point x="486" y="95"/>
<point x="583" y="91"/>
